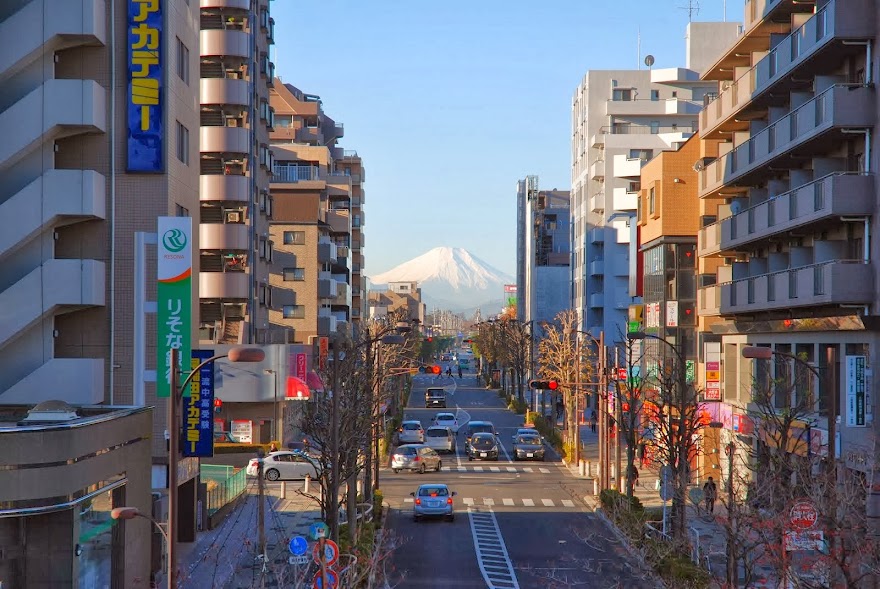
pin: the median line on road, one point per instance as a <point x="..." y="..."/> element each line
<point x="492" y="556"/>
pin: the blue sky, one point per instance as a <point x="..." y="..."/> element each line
<point x="449" y="103"/>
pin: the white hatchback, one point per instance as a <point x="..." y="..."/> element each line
<point x="440" y="439"/>
<point x="411" y="432"/>
<point x="445" y="420"/>
<point x="284" y="465"/>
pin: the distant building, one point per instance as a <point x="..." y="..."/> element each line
<point x="543" y="252"/>
<point x="399" y="295"/>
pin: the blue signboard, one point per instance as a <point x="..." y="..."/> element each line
<point x="298" y="546"/>
<point x="198" y="422"/>
<point x="145" y="87"/>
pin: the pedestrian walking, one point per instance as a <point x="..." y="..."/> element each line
<point x="449" y="372"/>
<point x="594" y="420"/>
<point x="643" y="453"/>
<point x="459" y="371"/>
<point x="710" y="494"/>
<point x="634" y="475"/>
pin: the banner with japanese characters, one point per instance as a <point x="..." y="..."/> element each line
<point x="146" y="92"/>
<point x="174" y="300"/>
<point x="198" y="408"/>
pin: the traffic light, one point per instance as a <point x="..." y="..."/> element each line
<point x="624" y="407"/>
<point x="551" y="385"/>
<point x="430" y="339"/>
<point x="435" y="369"/>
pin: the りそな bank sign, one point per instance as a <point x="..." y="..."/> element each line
<point x="174" y="300"/>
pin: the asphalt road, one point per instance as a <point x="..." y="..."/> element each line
<point x="518" y="525"/>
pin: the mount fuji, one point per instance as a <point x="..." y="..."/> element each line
<point x="451" y="278"/>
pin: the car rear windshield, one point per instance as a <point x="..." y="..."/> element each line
<point x="445" y="417"/>
<point x="483" y="443"/>
<point x="534" y="440"/>
<point x="433" y="492"/>
<point x="437" y="433"/>
<point x="411" y="426"/>
<point x="436" y="393"/>
<point x="406" y="451"/>
<point x="482" y="429"/>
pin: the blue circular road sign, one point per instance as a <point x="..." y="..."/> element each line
<point x="298" y="546"/>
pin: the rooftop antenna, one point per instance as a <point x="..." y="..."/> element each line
<point x="639" y="46"/>
<point x="692" y="8"/>
<point x="649" y="60"/>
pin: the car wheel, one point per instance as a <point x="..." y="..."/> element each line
<point x="395" y="470"/>
<point x="450" y="518"/>
<point x="439" y="465"/>
<point x="421" y="469"/>
<point x="272" y="475"/>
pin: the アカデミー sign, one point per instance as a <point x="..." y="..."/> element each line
<point x="174" y="300"/>
<point x="198" y="422"/>
<point x="146" y="92"/>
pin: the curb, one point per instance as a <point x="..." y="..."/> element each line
<point x="386" y="510"/>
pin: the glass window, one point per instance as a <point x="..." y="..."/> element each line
<point x="687" y="255"/>
<point x="294" y="274"/>
<point x="624" y="94"/>
<point x="294" y="237"/>
<point x="655" y="127"/>
<point x="182" y="143"/>
<point x="294" y="311"/>
<point x="655" y="95"/>
<point x="182" y="61"/>
<point x="652" y="203"/>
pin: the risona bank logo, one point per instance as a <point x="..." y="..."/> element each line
<point x="174" y="240"/>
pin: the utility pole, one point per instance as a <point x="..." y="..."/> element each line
<point x="602" y="426"/>
<point x="333" y="512"/>
<point x="173" y="451"/>
<point x="261" y="512"/>
<point x="732" y="580"/>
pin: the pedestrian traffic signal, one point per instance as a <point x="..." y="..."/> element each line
<point x="430" y="339"/>
<point x="551" y="385"/>
<point x="624" y="407"/>
<point x="435" y="369"/>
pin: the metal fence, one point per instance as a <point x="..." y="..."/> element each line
<point x="229" y="485"/>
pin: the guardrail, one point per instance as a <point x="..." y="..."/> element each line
<point x="226" y="491"/>
<point x="364" y="510"/>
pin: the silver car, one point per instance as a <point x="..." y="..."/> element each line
<point x="415" y="457"/>
<point x="411" y="432"/>
<point x="434" y="500"/>
<point x="440" y="439"/>
<point x="528" y="446"/>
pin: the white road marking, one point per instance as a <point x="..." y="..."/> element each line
<point x="528" y="502"/>
<point x="528" y="469"/>
<point x="408" y="500"/>
<point x="467" y="501"/>
<point x="544" y="470"/>
<point x="503" y="449"/>
<point x="478" y="469"/>
<point x="547" y="502"/>
<point x="511" y="469"/>
<point x="488" y="501"/>
<point x="462" y="469"/>
<point x="507" y="501"/>
<point x="567" y="503"/>
<point x="495" y="469"/>
<point x="445" y="469"/>
<point x="492" y="557"/>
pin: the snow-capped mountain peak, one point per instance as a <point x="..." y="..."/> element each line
<point x="451" y="277"/>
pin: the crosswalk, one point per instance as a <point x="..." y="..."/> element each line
<point x="498" y="469"/>
<point x="511" y="502"/>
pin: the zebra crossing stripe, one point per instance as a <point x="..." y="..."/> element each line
<point x="567" y="503"/>
<point x="511" y="469"/>
<point x="467" y="501"/>
<point x="494" y="469"/>
<point x="408" y="500"/>
<point x="507" y="501"/>
<point x="528" y="502"/>
<point x="547" y="502"/>
<point x="478" y="469"/>
<point x="544" y="470"/>
<point x="488" y="501"/>
<point x="528" y="469"/>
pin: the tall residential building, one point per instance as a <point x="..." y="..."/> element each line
<point x="621" y="119"/>
<point x="313" y="221"/>
<point x="543" y="251"/>
<point x="789" y="209"/>
<point x="236" y="167"/>
<point x="398" y="295"/>
<point x="98" y="114"/>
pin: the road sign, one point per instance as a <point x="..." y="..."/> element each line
<point x="332" y="580"/>
<point x="298" y="546"/>
<point x="621" y="374"/>
<point x="318" y="530"/>
<point x="303" y="559"/>
<point x="804" y="540"/>
<point x="331" y="553"/>
<point x="803" y="515"/>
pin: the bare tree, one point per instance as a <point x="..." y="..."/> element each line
<point x="516" y="339"/>
<point x="634" y="418"/>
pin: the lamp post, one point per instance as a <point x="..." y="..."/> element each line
<point x="234" y="355"/>
<point x="601" y="402"/>
<point x="275" y="422"/>
<point x="125" y="513"/>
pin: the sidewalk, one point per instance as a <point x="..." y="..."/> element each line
<point x="227" y="555"/>
<point x="707" y="533"/>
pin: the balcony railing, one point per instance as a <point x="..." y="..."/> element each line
<point x="630" y="129"/>
<point x="294" y="173"/>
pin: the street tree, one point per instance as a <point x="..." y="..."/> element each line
<point x="633" y="418"/>
<point x="516" y="338"/>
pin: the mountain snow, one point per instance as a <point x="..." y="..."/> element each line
<point x="450" y="277"/>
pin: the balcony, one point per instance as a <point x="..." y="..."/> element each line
<point x="223" y="285"/>
<point x="624" y="200"/>
<point x="327" y="252"/>
<point x="597" y="235"/>
<point x="803" y="129"/>
<point x="223" y="236"/>
<point x="326" y="286"/>
<point x="827" y="198"/>
<point x="291" y="173"/>
<point x="223" y="91"/>
<point x="835" y="282"/>
<point x="647" y="107"/>
<point x="57" y="198"/>
<point x="58" y="108"/>
<point x="343" y="294"/>
<point x="597" y="300"/>
<point x="310" y="135"/>
<point x="224" y="139"/>
<point x="81" y="379"/>
<point x="758" y="10"/>
<point x="597" y="203"/>
<point x="627" y="167"/>
<point x="597" y="170"/>
<point x="709" y="240"/>
<point x="597" y="268"/>
<point x="339" y="221"/>
<point x="709" y="300"/>
<point x="55" y="287"/>
<point x="219" y="187"/>
<point x="228" y="43"/>
<point x="239" y="4"/>
<point x="42" y="28"/>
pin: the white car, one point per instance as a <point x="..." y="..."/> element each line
<point x="411" y="432"/>
<point x="284" y="465"/>
<point x="445" y="420"/>
<point x="440" y="439"/>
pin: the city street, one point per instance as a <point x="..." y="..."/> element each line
<point x="518" y="524"/>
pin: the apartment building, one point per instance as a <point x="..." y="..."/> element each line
<point x="235" y="171"/>
<point x="318" y="247"/>
<point x="789" y="208"/>
<point x="620" y="120"/>
<point x="406" y="296"/>
<point x="543" y="251"/>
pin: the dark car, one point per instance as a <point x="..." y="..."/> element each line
<point x="435" y="397"/>
<point x="479" y="427"/>
<point x="528" y="446"/>
<point x="483" y="446"/>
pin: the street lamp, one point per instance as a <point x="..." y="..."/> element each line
<point x="275" y="423"/>
<point x="602" y="402"/>
<point x="234" y="355"/>
<point x="124" y="513"/>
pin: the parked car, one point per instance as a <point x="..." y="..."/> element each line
<point x="435" y="397"/>
<point x="477" y="427"/>
<point x="285" y="465"/>
<point x="483" y="446"/>
<point x="440" y="439"/>
<point x="446" y="420"/>
<point x="434" y="500"/>
<point x="415" y="457"/>
<point x="528" y="446"/>
<point x="411" y="432"/>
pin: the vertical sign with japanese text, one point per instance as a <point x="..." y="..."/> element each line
<point x="198" y="422"/>
<point x="145" y="86"/>
<point x="301" y="367"/>
<point x="855" y="391"/>
<point x="712" y="371"/>
<point x="174" y="299"/>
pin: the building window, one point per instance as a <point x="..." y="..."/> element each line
<point x="655" y="127"/>
<point x="294" y="238"/>
<point x="623" y="94"/>
<point x="294" y="274"/>
<point x="655" y="95"/>
<point x="182" y="143"/>
<point x="651" y="201"/>
<point x="283" y="121"/>
<point x="182" y="61"/>
<point x="294" y="311"/>
<point x="180" y="211"/>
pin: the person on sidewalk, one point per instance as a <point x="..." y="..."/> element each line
<point x="643" y="453"/>
<point x="634" y="475"/>
<point x="710" y="494"/>
<point x="594" y="420"/>
<point x="459" y="371"/>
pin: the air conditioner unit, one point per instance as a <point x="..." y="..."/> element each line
<point x="233" y="217"/>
